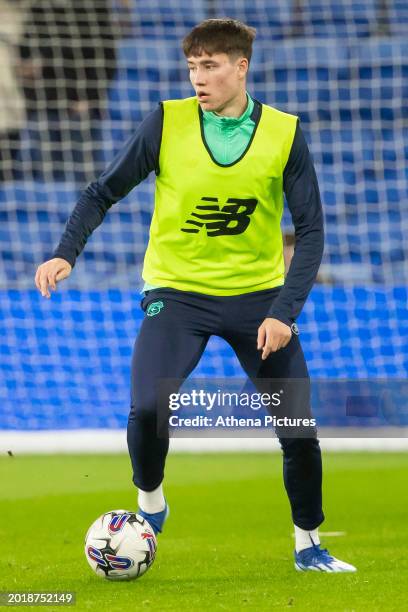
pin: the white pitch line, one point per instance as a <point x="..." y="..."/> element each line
<point x="114" y="441"/>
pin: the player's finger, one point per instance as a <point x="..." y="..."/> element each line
<point x="276" y="344"/>
<point x="61" y="274"/>
<point x="267" y="344"/>
<point x="51" y="280"/>
<point x="44" y="285"/>
<point x="38" y="277"/>
<point x="286" y="338"/>
<point x="286" y="341"/>
<point x="267" y="349"/>
<point x="37" y="284"/>
<point x="282" y="343"/>
<point x="261" y="337"/>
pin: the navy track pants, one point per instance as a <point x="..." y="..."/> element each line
<point x="171" y="343"/>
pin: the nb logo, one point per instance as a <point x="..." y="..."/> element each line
<point x="232" y="218"/>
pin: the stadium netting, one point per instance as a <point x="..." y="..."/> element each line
<point x="82" y="76"/>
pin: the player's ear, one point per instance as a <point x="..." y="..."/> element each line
<point x="242" y="66"/>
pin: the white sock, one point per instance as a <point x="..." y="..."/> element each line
<point x="305" y="538"/>
<point x="152" y="501"/>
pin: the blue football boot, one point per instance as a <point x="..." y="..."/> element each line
<point x="318" y="559"/>
<point x="157" y="519"/>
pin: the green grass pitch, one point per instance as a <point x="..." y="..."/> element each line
<point x="228" y="542"/>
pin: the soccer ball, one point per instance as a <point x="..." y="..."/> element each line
<point x="120" y="545"/>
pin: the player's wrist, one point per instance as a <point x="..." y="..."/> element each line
<point x="282" y="318"/>
<point x="65" y="256"/>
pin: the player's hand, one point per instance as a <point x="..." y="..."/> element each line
<point x="50" y="273"/>
<point x="272" y="336"/>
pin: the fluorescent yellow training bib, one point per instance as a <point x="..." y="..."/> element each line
<point x="216" y="228"/>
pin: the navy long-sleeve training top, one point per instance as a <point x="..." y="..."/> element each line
<point x="140" y="156"/>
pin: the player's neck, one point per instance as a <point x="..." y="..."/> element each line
<point x="236" y="107"/>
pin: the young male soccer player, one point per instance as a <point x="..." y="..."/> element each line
<point x="214" y="263"/>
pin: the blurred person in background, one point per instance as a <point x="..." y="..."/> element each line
<point x="69" y="59"/>
<point x="12" y="113"/>
<point x="383" y="18"/>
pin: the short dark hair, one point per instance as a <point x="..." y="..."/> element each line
<point x="220" y="36"/>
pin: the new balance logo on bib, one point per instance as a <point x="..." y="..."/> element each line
<point x="231" y="218"/>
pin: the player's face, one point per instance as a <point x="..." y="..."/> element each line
<point x="217" y="79"/>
